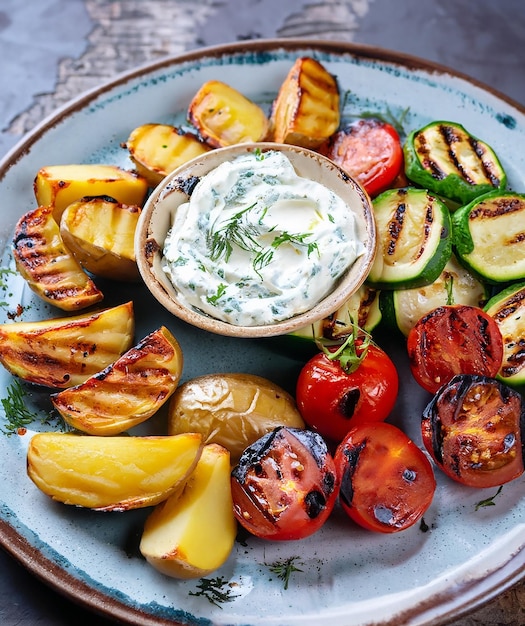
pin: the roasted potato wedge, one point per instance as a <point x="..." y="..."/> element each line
<point x="128" y="392"/>
<point x="111" y="473"/>
<point x="306" y="110"/>
<point x="61" y="185"/>
<point x="223" y="116"/>
<point x="50" y="270"/>
<point x="66" y="351"/>
<point x="158" y="149"/>
<point x="192" y="533"/>
<point x="100" y="233"/>
<point x="233" y="410"/>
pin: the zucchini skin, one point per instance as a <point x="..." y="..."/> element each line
<point x="473" y="167"/>
<point x="398" y="212"/>
<point x="508" y="310"/>
<point x="481" y="252"/>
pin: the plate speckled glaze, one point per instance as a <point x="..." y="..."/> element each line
<point x="348" y="575"/>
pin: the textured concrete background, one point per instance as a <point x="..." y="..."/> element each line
<point x="51" y="50"/>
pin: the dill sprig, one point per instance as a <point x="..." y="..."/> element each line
<point x="17" y="414"/>
<point x="488" y="501"/>
<point x="235" y="231"/>
<point x="215" y="590"/>
<point x="284" y="569"/>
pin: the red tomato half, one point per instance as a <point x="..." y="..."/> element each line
<point x="332" y="401"/>
<point x="454" y="339"/>
<point x="370" y="151"/>
<point x="386" y="481"/>
<point x="473" y="428"/>
<point x="285" y="485"/>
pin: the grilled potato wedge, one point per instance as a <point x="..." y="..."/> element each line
<point x="306" y="110"/>
<point x="126" y="393"/>
<point x="158" y="149"/>
<point x="233" y="410"/>
<point x="100" y="233"/>
<point x="50" y="270"/>
<point x="61" y="185"/>
<point x="223" y="116"/>
<point x="66" y="351"/>
<point x="111" y="473"/>
<point x="192" y="533"/>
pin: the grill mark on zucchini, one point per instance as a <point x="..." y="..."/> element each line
<point x="450" y="136"/>
<point x="395" y="228"/>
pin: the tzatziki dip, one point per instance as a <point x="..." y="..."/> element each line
<point x="257" y="244"/>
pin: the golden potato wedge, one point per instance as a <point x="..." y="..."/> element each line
<point x="306" y="110"/>
<point x="61" y="185"/>
<point x="111" y="473"/>
<point x="233" y="410"/>
<point x="158" y="149"/>
<point x="50" y="270"/>
<point x="66" y="351"/>
<point x="223" y="116"/>
<point x="100" y="233"/>
<point x="128" y="392"/>
<point x="192" y="533"/>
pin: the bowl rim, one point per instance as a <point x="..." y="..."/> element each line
<point x="148" y="250"/>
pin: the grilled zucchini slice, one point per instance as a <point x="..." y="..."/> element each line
<point x="489" y="235"/>
<point x="402" y="308"/>
<point x="446" y="159"/>
<point x="306" y="110"/>
<point x="508" y="310"/>
<point x="50" y="270"/>
<point x="414" y="234"/>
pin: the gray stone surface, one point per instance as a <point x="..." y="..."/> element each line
<point x="51" y="50"/>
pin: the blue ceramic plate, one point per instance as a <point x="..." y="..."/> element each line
<point x="348" y="575"/>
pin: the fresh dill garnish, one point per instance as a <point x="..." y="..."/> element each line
<point x="284" y="569"/>
<point x="221" y="289"/>
<point x="4" y="271"/>
<point x="215" y="590"/>
<point x="235" y="231"/>
<point x="488" y="501"/>
<point x="16" y="412"/>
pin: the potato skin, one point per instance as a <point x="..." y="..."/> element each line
<point x="47" y="266"/>
<point x="192" y="533"/>
<point x="127" y="392"/>
<point x="66" y="351"/>
<point x="158" y="149"/>
<point x="111" y="473"/>
<point x="233" y="410"/>
<point x="223" y="116"/>
<point x="99" y="232"/>
<point x="306" y="109"/>
<point x="60" y="185"/>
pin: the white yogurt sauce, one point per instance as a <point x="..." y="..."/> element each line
<point x="256" y="243"/>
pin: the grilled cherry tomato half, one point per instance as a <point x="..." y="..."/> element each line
<point x="370" y="151"/>
<point x="356" y="384"/>
<point x="386" y="482"/>
<point x="285" y="485"/>
<point x="473" y="428"/>
<point x="454" y="339"/>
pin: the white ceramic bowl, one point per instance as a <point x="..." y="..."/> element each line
<point x="157" y="216"/>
